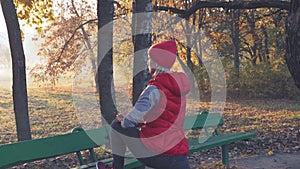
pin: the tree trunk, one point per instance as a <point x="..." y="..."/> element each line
<point x="188" y="47"/>
<point x="292" y="56"/>
<point x="251" y="20"/>
<point x="266" y="44"/>
<point x="199" y="46"/>
<point x="278" y="35"/>
<point x="19" y="74"/>
<point x="142" y="41"/>
<point x="236" y="39"/>
<point x="104" y="77"/>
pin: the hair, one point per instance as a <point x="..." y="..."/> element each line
<point x="160" y="70"/>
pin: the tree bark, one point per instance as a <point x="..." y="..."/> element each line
<point x="142" y="41"/>
<point x="104" y="77"/>
<point x="20" y="98"/>
<point x="292" y="56"/>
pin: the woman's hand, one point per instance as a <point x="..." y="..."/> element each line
<point x="119" y="118"/>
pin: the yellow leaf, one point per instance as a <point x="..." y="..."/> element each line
<point x="270" y="153"/>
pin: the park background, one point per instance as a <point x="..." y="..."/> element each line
<point x="261" y="95"/>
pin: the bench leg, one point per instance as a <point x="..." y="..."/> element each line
<point x="93" y="155"/>
<point x="79" y="156"/>
<point x="225" y="155"/>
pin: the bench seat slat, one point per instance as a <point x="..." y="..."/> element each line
<point x="216" y="141"/>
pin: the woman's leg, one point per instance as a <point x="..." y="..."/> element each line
<point x="122" y="137"/>
<point x="129" y="137"/>
<point x="166" y="162"/>
<point x="118" y="148"/>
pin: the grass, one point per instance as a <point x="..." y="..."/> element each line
<point x="51" y="113"/>
<point x="275" y="121"/>
<point x="57" y="111"/>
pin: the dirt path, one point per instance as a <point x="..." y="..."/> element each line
<point x="277" y="161"/>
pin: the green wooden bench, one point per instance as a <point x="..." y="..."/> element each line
<point x="21" y="152"/>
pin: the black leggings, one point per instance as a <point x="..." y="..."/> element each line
<point x="122" y="137"/>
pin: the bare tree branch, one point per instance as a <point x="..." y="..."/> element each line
<point x="166" y="8"/>
<point x="239" y="5"/>
<point x="72" y="36"/>
<point x="284" y="5"/>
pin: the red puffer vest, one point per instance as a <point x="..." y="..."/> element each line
<point x="163" y="130"/>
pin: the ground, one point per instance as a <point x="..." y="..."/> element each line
<point x="276" y="122"/>
<point x="276" y="161"/>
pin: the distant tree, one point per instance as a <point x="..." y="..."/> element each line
<point x="235" y="36"/>
<point x="87" y="40"/>
<point x="20" y="98"/>
<point x="189" y="30"/>
<point x="292" y="56"/>
<point x="278" y="32"/>
<point x="70" y="37"/>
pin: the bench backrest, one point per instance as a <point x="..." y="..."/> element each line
<point x="203" y="120"/>
<point x="21" y="152"/>
<point x="25" y="151"/>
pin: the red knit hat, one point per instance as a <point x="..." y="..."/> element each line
<point x="163" y="53"/>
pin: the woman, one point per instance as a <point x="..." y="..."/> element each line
<point x="153" y="129"/>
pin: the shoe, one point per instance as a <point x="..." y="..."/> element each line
<point x="100" y="165"/>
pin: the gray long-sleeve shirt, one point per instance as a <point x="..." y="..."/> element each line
<point x="147" y="100"/>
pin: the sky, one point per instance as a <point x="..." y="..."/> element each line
<point x="2" y="22"/>
<point x="30" y="49"/>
